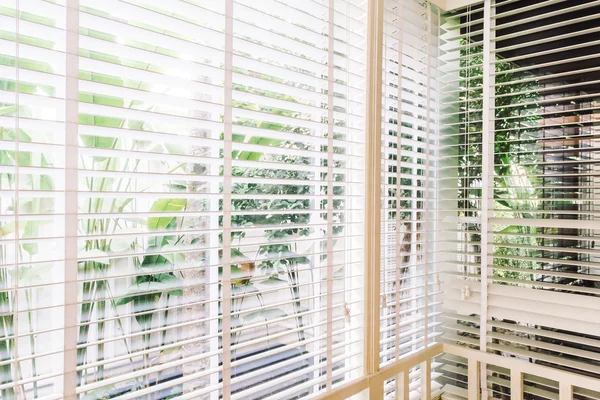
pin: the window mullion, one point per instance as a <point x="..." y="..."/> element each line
<point x="71" y="200"/>
<point x="487" y="176"/>
<point x="329" y="233"/>
<point x="373" y="184"/>
<point x="227" y="171"/>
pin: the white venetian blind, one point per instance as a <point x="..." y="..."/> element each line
<point x="181" y="198"/>
<point x="542" y="213"/>
<point x="545" y="217"/>
<point x="33" y="92"/>
<point x="409" y="138"/>
<point x="461" y="172"/>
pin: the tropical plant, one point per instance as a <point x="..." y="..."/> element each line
<point x="514" y="168"/>
<point x="111" y="242"/>
<point x="277" y="262"/>
<point x="28" y="275"/>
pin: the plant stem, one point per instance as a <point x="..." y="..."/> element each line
<point x="292" y="271"/>
<point x="101" y="315"/>
<point x="32" y="342"/>
<point x="86" y="311"/>
<point x="5" y="354"/>
<point x="163" y="340"/>
<point x="146" y="345"/>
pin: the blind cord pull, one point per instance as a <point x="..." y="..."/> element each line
<point x="465" y="292"/>
<point x="347" y="312"/>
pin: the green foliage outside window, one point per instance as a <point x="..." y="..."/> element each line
<point x="514" y="163"/>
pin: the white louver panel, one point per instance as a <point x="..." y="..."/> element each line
<point x="461" y="173"/>
<point x="33" y="94"/>
<point x="545" y="221"/>
<point x="182" y="195"/>
<point x="543" y="276"/>
<point x="409" y="286"/>
<point x="184" y="188"/>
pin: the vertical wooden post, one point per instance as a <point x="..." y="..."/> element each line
<point x="405" y="387"/>
<point x="376" y="389"/>
<point x="426" y="379"/>
<point x="227" y="185"/>
<point x="329" y="232"/>
<point x="71" y="201"/>
<point x="565" y="391"/>
<point x="487" y="175"/>
<point x="373" y="185"/>
<point x="473" y="379"/>
<point x="516" y="384"/>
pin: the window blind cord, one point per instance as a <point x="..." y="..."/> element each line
<point x="329" y="233"/>
<point x="399" y="233"/>
<point x="383" y="279"/>
<point x="425" y="234"/>
<point x="467" y="183"/>
<point x="15" y="319"/>
<point x="227" y="206"/>
<point x="347" y="281"/>
<point x="438" y="131"/>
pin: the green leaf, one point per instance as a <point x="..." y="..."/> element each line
<point x="7" y="228"/>
<point x="244" y="289"/>
<point x="254" y="155"/>
<point x="30" y="275"/>
<point x="98" y="142"/>
<point x="236" y="255"/>
<point x="124" y="300"/>
<point x="155" y="261"/>
<point x="503" y="203"/>
<point x="273" y="280"/>
<point x="177" y="187"/>
<point x="98" y="256"/>
<point x="300" y="260"/>
<point x="174" y="258"/>
<point x="174" y="148"/>
<point x="238" y="273"/>
<point x="148" y="292"/>
<point x="31" y="231"/>
<point x="121" y="242"/>
<point x="7" y="110"/>
<point x="510" y="229"/>
<point x="164" y="205"/>
<point x="46" y="182"/>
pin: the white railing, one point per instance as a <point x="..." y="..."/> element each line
<point x="477" y="361"/>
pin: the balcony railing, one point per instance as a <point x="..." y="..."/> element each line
<point x="477" y="361"/>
